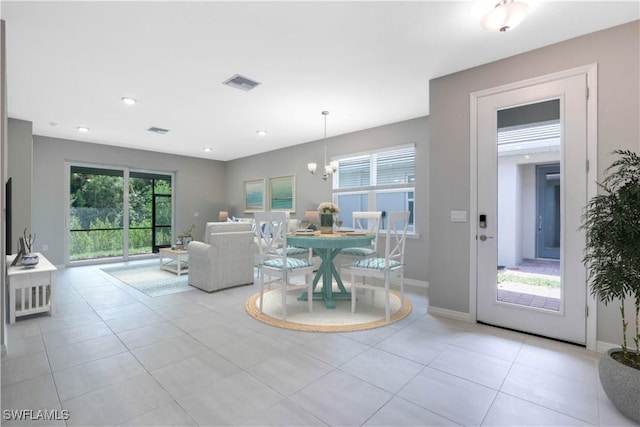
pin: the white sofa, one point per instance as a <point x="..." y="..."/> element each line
<point x="225" y="258"/>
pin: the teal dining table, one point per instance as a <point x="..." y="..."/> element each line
<point x="327" y="247"/>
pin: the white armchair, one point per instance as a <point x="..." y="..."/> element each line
<point x="226" y="260"/>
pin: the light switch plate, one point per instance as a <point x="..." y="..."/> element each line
<point x="458" y="216"/>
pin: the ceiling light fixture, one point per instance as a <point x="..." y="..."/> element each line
<point x="83" y="129"/>
<point x="208" y="149"/>
<point x="261" y="132"/>
<point x="329" y="168"/>
<point x="129" y="101"/>
<point x="505" y="16"/>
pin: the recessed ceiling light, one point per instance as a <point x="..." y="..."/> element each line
<point x="129" y="101"/>
<point x="54" y="124"/>
<point x="83" y="129"/>
<point x="208" y="149"/>
<point x="261" y="132"/>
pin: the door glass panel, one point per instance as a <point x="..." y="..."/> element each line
<point x="149" y="212"/>
<point x="529" y="188"/>
<point x="96" y="213"/>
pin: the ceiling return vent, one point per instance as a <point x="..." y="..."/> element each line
<point x="241" y="82"/>
<point x="158" y="130"/>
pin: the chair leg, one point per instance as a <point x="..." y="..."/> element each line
<point x="402" y="290"/>
<point x="353" y="291"/>
<point x="309" y="282"/>
<point x="284" y="294"/>
<point x="387" y="308"/>
<point x="261" y="289"/>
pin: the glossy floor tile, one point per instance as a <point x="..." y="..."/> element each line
<point x="113" y="356"/>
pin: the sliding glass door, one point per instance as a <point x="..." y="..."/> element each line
<point x="115" y="213"/>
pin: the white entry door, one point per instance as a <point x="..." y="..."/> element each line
<point x="514" y="288"/>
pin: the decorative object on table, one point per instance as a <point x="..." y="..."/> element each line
<point x="223" y="216"/>
<point x="612" y="258"/>
<point x="311" y="218"/>
<point x="254" y="196"/>
<point x="185" y="237"/>
<point x="29" y="258"/>
<point x="328" y="168"/>
<point x="327" y="210"/>
<point x="282" y="193"/>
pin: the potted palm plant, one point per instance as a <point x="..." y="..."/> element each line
<point x="612" y="257"/>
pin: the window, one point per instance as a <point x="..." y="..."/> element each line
<point x="378" y="181"/>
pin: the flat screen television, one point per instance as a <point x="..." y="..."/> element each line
<point x="7" y="230"/>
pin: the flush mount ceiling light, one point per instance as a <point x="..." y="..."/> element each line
<point x="207" y="149"/>
<point x="129" y="101"/>
<point x="83" y="129"/>
<point x="261" y="132"/>
<point x="505" y="16"/>
<point x="329" y="168"/>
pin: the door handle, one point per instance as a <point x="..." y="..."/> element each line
<point x="484" y="237"/>
<point x="540" y="223"/>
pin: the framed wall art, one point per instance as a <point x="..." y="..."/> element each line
<point x="254" y="195"/>
<point x="282" y="193"/>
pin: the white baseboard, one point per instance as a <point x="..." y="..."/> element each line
<point x="417" y="283"/>
<point x="603" y="347"/>
<point x="450" y="314"/>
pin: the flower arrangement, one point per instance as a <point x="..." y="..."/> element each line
<point x="328" y="208"/>
<point x="187" y="233"/>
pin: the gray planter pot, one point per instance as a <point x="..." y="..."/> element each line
<point x="622" y="385"/>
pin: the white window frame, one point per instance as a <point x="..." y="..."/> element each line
<point x="373" y="189"/>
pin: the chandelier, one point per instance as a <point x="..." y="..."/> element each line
<point x="329" y="168"/>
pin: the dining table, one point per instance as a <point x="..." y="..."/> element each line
<point x="327" y="247"/>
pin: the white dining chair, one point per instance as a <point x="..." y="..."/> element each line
<point x="391" y="266"/>
<point x="368" y="222"/>
<point x="275" y="264"/>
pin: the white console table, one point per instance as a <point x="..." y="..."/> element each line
<point x="31" y="290"/>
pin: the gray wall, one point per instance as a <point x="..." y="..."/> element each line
<point x="311" y="190"/>
<point x="200" y="185"/>
<point x="615" y="50"/>
<point x="20" y="170"/>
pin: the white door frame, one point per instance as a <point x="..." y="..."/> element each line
<point x="591" y="73"/>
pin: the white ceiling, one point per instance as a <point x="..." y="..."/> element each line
<point x="367" y="62"/>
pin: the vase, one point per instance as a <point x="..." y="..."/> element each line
<point x="326" y="223"/>
<point x="621" y="383"/>
<point x="30" y="260"/>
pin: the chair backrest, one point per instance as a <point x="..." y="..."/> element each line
<point x="271" y="232"/>
<point x="368" y="221"/>
<point x="397" y="225"/>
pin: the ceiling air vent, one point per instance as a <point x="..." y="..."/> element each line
<point x="241" y="82"/>
<point x="158" y="130"/>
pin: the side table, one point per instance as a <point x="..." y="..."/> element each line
<point x="31" y="290"/>
<point x="178" y="260"/>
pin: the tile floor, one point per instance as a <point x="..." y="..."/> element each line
<point x="113" y="356"/>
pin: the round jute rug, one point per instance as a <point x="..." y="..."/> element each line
<point x="369" y="311"/>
